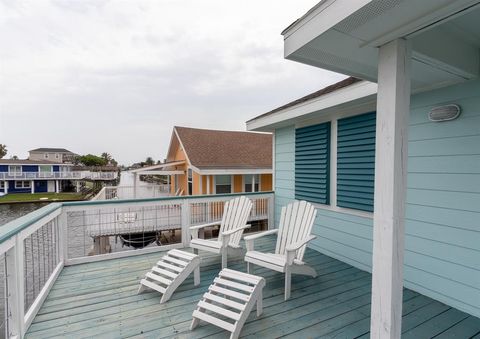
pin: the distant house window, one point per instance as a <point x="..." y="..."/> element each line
<point x="15" y="169"/>
<point x="356" y="162"/>
<point x="312" y="163"/>
<point x="223" y="184"/>
<point x="46" y="155"/>
<point x="22" y="184"/>
<point x="57" y="156"/>
<point x="190" y="181"/>
<point x="45" y="168"/>
<point x="250" y="179"/>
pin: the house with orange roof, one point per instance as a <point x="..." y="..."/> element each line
<point x="205" y="161"/>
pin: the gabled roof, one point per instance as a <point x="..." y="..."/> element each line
<point x="30" y="162"/>
<point x="214" y="149"/>
<point x="46" y="149"/>
<point x="329" y="89"/>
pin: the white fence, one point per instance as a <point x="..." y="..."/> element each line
<point x="35" y="248"/>
<point x="69" y="175"/>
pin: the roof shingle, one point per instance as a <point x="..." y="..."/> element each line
<point x="226" y="149"/>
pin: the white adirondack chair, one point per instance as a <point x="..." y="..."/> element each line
<point x="234" y="222"/>
<point x="294" y="233"/>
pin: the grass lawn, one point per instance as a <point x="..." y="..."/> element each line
<point x="25" y="197"/>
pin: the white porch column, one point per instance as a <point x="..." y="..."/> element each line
<point x="208" y="184"/>
<point x="77" y="184"/>
<point x="135" y="185"/>
<point x="5" y="185"/>
<point x="32" y="186"/>
<point x="393" y="109"/>
<point x="57" y="187"/>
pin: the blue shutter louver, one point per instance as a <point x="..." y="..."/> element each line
<point x="356" y="162"/>
<point x="312" y="161"/>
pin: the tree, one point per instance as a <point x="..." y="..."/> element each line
<point x="149" y="161"/>
<point x="3" y="150"/>
<point x="106" y="156"/>
<point x="14" y="157"/>
<point x="91" y="160"/>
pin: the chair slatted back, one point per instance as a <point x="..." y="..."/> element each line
<point x="296" y="223"/>
<point x="235" y="214"/>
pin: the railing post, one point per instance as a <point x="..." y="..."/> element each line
<point x="186" y="222"/>
<point x="63" y="237"/>
<point x="271" y="211"/>
<point x="16" y="289"/>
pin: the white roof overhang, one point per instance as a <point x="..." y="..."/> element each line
<point x="232" y="171"/>
<point x="160" y="168"/>
<point x="357" y="98"/>
<point x="343" y="36"/>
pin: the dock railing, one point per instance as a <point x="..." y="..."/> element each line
<point x="35" y="248"/>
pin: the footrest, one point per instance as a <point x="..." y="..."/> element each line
<point x="170" y="271"/>
<point x="229" y="301"/>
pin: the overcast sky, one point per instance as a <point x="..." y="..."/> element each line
<point x="116" y="76"/>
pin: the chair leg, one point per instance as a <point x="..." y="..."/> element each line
<point x="195" y="251"/>
<point x="196" y="276"/>
<point x="248" y="268"/>
<point x="288" y="283"/>
<point x="224" y="259"/>
<point x="260" y="303"/>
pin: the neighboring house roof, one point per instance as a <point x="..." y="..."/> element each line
<point x="329" y="89"/>
<point x="46" y="149"/>
<point x="29" y="162"/>
<point x="208" y="149"/>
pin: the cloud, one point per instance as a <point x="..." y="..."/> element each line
<point x="116" y="76"/>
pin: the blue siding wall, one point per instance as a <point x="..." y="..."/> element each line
<point x="3" y="168"/>
<point x="55" y="168"/>
<point x="41" y="186"/>
<point x="12" y="189"/>
<point x="442" y="252"/>
<point x="29" y="168"/>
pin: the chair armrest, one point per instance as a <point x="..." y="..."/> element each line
<point x="292" y="248"/>
<point x="197" y="227"/>
<point x="236" y="230"/>
<point x="249" y="239"/>
<point x="194" y="229"/>
<point x="225" y="236"/>
<point x="298" y="244"/>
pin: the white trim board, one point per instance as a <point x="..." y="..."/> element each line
<point x="234" y="171"/>
<point x="363" y="91"/>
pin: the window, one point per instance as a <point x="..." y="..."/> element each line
<point x="223" y="184"/>
<point x="22" y="184"/>
<point x="57" y="156"/>
<point x="190" y="181"/>
<point x="312" y="161"/>
<point x="15" y="169"/>
<point x="45" y="168"/>
<point x="356" y="162"/>
<point x="2" y="184"/>
<point x="248" y="179"/>
<point x="45" y="155"/>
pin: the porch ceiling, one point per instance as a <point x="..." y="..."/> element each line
<point x="338" y="36"/>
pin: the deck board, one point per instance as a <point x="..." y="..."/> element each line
<point x="99" y="300"/>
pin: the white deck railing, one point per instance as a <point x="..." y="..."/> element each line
<point x="35" y="247"/>
<point x="58" y="175"/>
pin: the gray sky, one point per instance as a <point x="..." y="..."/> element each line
<point x="116" y="76"/>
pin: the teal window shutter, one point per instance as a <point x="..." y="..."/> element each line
<point x="356" y="162"/>
<point x="312" y="161"/>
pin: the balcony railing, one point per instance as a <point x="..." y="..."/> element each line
<point x="58" y="175"/>
<point x="35" y="248"/>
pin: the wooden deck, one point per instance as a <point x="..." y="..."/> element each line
<point x="99" y="300"/>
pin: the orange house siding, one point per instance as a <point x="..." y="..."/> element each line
<point x="266" y="182"/>
<point x="237" y="183"/>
